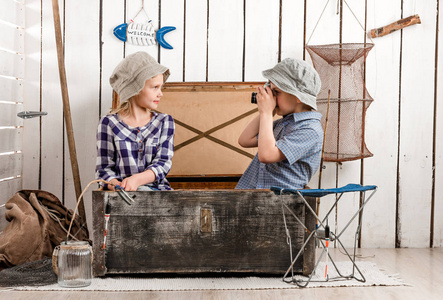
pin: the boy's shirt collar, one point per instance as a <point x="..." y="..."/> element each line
<point x="307" y="115"/>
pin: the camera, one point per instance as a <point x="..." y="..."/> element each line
<point x="254" y="94"/>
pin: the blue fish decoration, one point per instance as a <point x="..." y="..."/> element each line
<point x="142" y="34"/>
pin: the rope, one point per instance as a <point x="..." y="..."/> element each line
<point x="321" y="15"/>
<point x="318" y="21"/>
<point x="78" y="202"/>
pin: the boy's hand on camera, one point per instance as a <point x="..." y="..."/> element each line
<point x="265" y="100"/>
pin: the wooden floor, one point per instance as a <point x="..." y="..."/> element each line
<point x="421" y="268"/>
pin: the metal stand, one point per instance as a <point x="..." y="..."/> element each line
<point x="322" y="233"/>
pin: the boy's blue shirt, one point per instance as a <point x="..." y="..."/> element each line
<point x="300" y="137"/>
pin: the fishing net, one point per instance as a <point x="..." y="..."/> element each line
<point x="341" y="69"/>
<point x="35" y="273"/>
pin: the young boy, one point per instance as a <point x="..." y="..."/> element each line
<point x="289" y="149"/>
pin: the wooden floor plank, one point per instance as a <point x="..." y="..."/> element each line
<point x="421" y="268"/>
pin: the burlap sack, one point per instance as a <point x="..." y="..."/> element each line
<point x="32" y="233"/>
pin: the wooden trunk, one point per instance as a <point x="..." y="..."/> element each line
<point x="199" y="231"/>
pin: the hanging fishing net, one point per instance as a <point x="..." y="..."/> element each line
<point x="341" y="69"/>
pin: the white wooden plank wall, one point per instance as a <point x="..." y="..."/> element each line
<point x="232" y="40"/>
<point x="11" y="100"/>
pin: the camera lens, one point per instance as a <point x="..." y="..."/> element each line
<point x="254" y="98"/>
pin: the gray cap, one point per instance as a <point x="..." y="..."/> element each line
<point x="130" y="75"/>
<point x="296" y="77"/>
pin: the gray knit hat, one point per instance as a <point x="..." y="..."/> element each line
<point x="130" y="75"/>
<point x="296" y="77"/>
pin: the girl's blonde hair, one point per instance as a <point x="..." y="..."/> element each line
<point x="124" y="108"/>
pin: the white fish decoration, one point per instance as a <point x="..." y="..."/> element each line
<point x="142" y="34"/>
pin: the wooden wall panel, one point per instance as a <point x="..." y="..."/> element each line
<point x="292" y="28"/>
<point x="172" y="15"/>
<point x="8" y="114"/>
<point x="382" y="127"/>
<point x="225" y="40"/>
<point x="438" y="180"/>
<point x="11" y="139"/>
<point x="209" y="45"/>
<point x="13" y="12"/>
<point x="11" y="64"/>
<point x="32" y="92"/>
<point x="11" y="38"/>
<point x="11" y="165"/>
<point x="51" y="102"/>
<point x="196" y="40"/>
<point x="8" y="189"/>
<point x="84" y="101"/>
<point x="418" y="55"/>
<point x="112" y="51"/>
<point x="12" y="89"/>
<point x="262" y="20"/>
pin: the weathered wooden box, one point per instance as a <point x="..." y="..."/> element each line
<point x="199" y="231"/>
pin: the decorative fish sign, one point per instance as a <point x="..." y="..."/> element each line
<point x="142" y="34"/>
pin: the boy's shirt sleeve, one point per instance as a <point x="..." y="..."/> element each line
<point x="105" y="164"/>
<point x="162" y="162"/>
<point x="299" y="143"/>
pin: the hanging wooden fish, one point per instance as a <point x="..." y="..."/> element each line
<point x="142" y="34"/>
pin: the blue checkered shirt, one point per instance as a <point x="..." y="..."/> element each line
<point x="123" y="151"/>
<point x="300" y="137"/>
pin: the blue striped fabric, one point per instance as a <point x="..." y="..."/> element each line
<point x="300" y="137"/>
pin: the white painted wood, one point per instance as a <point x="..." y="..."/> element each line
<point x="8" y="114"/>
<point x="11" y="139"/>
<point x="173" y="15"/>
<point x="152" y="9"/>
<point x="195" y="43"/>
<point x="12" y="89"/>
<point x="112" y="48"/>
<point x="438" y="209"/>
<point x="13" y="12"/>
<point x="225" y="49"/>
<point x="293" y="20"/>
<point x="52" y="124"/>
<point x="324" y="29"/>
<point x="416" y="124"/>
<point x="225" y="64"/>
<point x="82" y="70"/>
<point x="381" y="127"/>
<point x="11" y="64"/>
<point x="31" y="130"/>
<point x="10" y="165"/>
<point x="11" y="38"/>
<point x="8" y="188"/>
<point x="261" y="37"/>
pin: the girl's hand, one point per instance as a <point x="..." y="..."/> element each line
<point x="131" y="183"/>
<point x="114" y="182"/>
<point x="265" y="100"/>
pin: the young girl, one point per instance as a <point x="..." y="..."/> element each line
<point x="135" y="145"/>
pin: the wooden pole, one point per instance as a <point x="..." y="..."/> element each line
<point x="67" y="110"/>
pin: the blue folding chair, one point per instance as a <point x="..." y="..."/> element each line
<point x="322" y="233"/>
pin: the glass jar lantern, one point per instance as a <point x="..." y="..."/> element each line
<point x="73" y="264"/>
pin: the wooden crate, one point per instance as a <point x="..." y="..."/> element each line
<point x="199" y="231"/>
